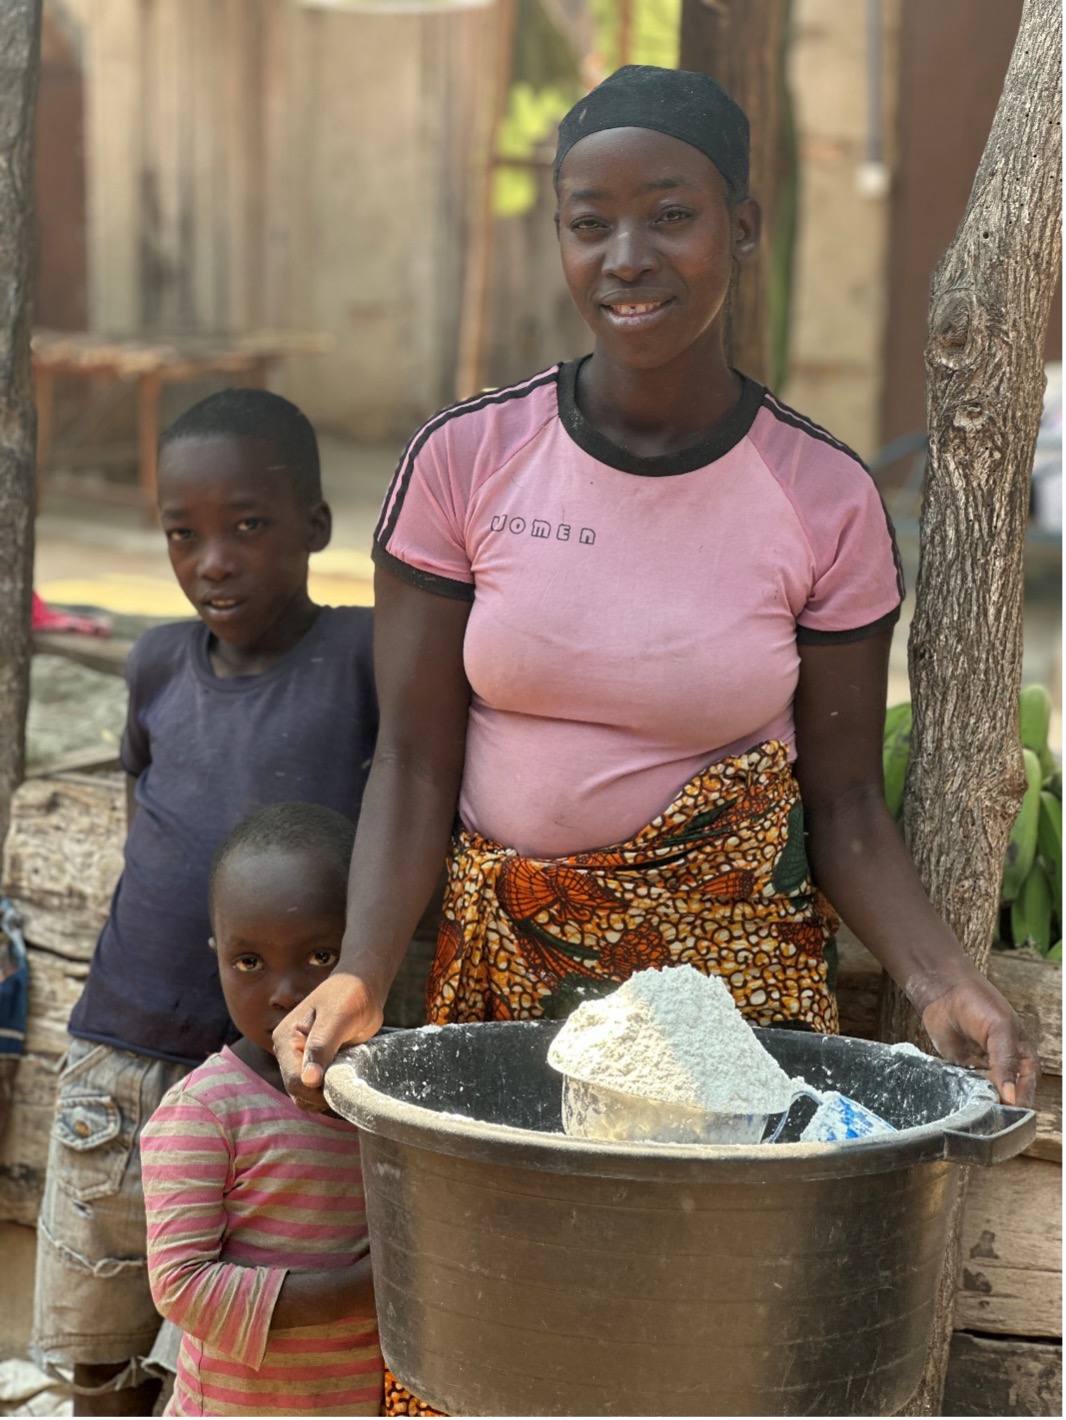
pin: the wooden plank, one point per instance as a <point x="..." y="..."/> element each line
<point x="1010" y="1280"/>
<point x="987" y="1376"/>
<point x="1034" y="989"/>
<point x="63" y="857"/>
<point x="1048" y="1141"/>
<point x="56" y="982"/>
<point x="99" y="653"/>
<point x="184" y="356"/>
<point x="24" y="1143"/>
<point x="81" y="760"/>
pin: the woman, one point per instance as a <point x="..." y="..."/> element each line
<point x="633" y="619"/>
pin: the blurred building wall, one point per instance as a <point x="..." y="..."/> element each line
<point x="839" y="309"/>
<point x="384" y="110"/>
<point x="265" y="163"/>
<point x="61" y="295"/>
<point x="953" y="58"/>
<point x="864" y="259"/>
<point x="255" y="164"/>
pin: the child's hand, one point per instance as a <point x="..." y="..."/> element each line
<point x="323" y="1295"/>
<point x="339" y="1012"/>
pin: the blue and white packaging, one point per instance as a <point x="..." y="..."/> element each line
<point x="839" y="1117"/>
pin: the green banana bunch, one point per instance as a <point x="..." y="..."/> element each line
<point x="1031" y="890"/>
<point x="1034" y="721"/>
<point x="1021" y="848"/>
<point x="1036" y="910"/>
<point x="1049" y="844"/>
<point x="895" y="755"/>
<point x="1031" y="911"/>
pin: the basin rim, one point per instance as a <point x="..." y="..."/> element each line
<point x="504" y="1145"/>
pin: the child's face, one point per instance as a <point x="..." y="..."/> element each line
<point x="278" y="927"/>
<point x="237" y="536"/>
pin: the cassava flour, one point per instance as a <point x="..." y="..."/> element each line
<point x="674" y="1036"/>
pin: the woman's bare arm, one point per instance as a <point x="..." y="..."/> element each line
<point x="404" y="826"/>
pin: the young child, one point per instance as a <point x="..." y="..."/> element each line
<point x="256" y="1235"/>
<point x="265" y="698"/>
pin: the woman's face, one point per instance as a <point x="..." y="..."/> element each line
<point x="648" y="241"/>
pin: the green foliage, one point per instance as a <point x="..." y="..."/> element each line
<point x="547" y="82"/>
<point x="531" y="118"/>
<point x="895" y="754"/>
<point x="1031" y="887"/>
<point x="656" y="33"/>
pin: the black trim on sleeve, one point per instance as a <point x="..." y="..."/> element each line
<point x="792" y="417"/>
<point x="394" y="498"/>
<point x="809" y="636"/>
<point x="425" y="581"/>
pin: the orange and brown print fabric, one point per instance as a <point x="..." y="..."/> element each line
<point x="719" y="880"/>
<point x="400" y="1401"/>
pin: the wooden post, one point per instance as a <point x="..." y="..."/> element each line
<point x="20" y="51"/>
<point x="989" y="309"/>
<point x="741" y="44"/>
<point x="149" y="393"/>
<point x="625" y="32"/>
<point x="476" y="311"/>
<point x="44" y="389"/>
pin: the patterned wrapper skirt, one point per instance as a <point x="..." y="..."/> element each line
<point x="719" y="880"/>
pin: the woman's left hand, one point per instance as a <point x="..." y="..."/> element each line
<point x="971" y="1023"/>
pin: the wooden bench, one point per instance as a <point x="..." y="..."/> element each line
<point x="147" y="365"/>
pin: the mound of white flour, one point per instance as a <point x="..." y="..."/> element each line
<point x="675" y="1036"/>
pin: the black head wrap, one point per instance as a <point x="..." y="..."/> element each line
<point x="677" y="102"/>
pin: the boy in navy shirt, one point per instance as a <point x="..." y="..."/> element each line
<point x="266" y="698"/>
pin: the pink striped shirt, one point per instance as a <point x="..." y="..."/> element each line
<point x="240" y="1185"/>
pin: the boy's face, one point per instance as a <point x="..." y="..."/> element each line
<point x="278" y="926"/>
<point x="238" y="537"/>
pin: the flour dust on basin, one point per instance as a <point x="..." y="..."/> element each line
<point x="522" y="1272"/>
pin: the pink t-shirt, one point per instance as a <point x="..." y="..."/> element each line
<point x="633" y="619"/>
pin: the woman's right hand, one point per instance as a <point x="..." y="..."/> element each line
<point x="342" y="1011"/>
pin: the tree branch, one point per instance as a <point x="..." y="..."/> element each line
<point x="20" y="45"/>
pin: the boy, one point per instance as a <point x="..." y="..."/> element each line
<point x="266" y="697"/>
<point x="257" y="1244"/>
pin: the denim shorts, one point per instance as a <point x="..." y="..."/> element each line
<point x="92" y="1301"/>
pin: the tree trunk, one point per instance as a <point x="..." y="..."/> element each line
<point x="741" y="43"/>
<point x="20" y="44"/>
<point x="991" y="295"/>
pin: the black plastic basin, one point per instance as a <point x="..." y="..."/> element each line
<point x="520" y="1272"/>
